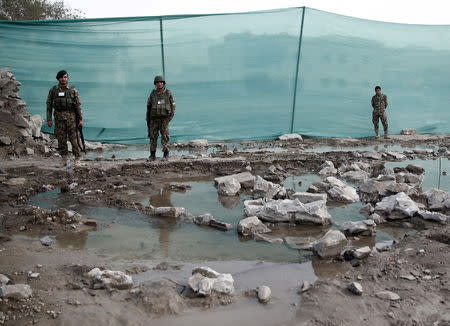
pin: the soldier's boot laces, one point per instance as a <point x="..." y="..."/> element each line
<point x="166" y="155"/>
<point x="152" y="156"/>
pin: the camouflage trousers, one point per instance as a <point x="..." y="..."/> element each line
<point x="159" y="126"/>
<point x="380" y="115"/>
<point x="65" y="128"/>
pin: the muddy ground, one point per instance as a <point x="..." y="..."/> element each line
<point x="62" y="295"/>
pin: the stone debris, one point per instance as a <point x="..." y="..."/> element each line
<point x="220" y="225"/>
<point x="408" y="277"/>
<point x="388" y="295"/>
<point x="253" y="206"/>
<point x="372" y="155"/>
<point x="47" y="240"/>
<point x="229" y="187"/>
<point x="355" y="288"/>
<point x="204" y="280"/>
<point x="330" y="245"/>
<point x="16" y="291"/>
<point x="302" y="243"/>
<point x="434" y="216"/>
<point x="5" y="140"/>
<point x="101" y="279"/>
<point x="305" y="286"/>
<point x="400" y="202"/>
<point x="366" y="227"/>
<point x="198" y="143"/>
<point x="267" y="238"/>
<point x="4" y="279"/>
<point x="437" y="199"/>
<point x="15" y="181"/>
<point x="264" y="293"/>
<point x="267" y="190"/>
<point x="251" y="225"/>
<point x="355" y="176"/>
<point x="341" y="192"/>
<point x="203" y="219"/>
<point x="307" y="197"/>
<point x="290" y="137"/>
<point x="384" y="246"/>
<point x="171" y="212"/>
<point x="208" y="220"/>
<point x="288" y="210"/>
<point x="408" y="132"/>
<point x="246" y="179"/>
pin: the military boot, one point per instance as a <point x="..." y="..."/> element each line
<point x="166" y="155"/>
<point x="377" y="134"/>
<point x="152" y="156"/>
<point x="386" y="135"/>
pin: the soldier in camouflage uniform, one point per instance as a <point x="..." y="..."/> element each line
<point x="65" y="101"/>
<point x="379" y="105"/>
<point x="160" y="111"/>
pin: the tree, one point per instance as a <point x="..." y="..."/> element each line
<point x="37" y="10"/>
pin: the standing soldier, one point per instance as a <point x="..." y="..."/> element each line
<point x="64" y="99"/>
<point x="379" y="105"/>
<point x="160" y="110"/>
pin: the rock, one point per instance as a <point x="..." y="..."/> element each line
<point x="437" y="199"/>
<point x="198" y="143"/>
<point x="408" y="277"/>
<point x="388" y="295"/>
<point x="339" y="191"/>
<point x="213" y="281"/>
<point x="397" y="156"/>
<point x="267" y="238"/>
<point x="327" y="171"/>
<point x="355" y="176"/>
<point x="229" y="187"/>
<point x="90" y="222"/>
<point x="5" y="140"/>
<point x="302" y="243"/>
<point x="305" y="286"/>
<point x="251" y="225"/>
<point x="330" y="245"/>
<point x="20" y="121"/>
<point x="4" y="279"/>
<point x="366" y="227"/>
<point x="290" y="137"/>
<point x="252" y="207"/>
<point x="108" y="278"/>
<point x="16" y="291"/>
<point x="362" y="252"/>
<point x="416" y="169"/>
<point x="375" y="187"/>
<point x="6" y="116"/>
<point x="408" y="132"/>
<point x="29" y="151"/>
<point x="399" y="202"/>
<point x="170" y="211"/>
<point x="15" y="181"/>
<point x="366" y="210"/>
<point x="246" y="179"/>
<point x="314" y="213"/>
<point x="264" y="293"/>
<point x="327" y="164"/>
<point x="47" y="240"/>
<point x="203" y="219"/>
<point x="266" y="189"/>
<point x="384" y="246"/>
<point x="376" y="218"/>
<point x="434" y="216"/>
<point x="372" y="154"/>
<point x="355" y="288"/>
<point x="220" y="225"/>
<point x="307" y="197"/>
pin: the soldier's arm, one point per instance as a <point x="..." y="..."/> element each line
<point x="49" y="105"/>
<point x="173" y="104"/>
<point x="373" y="103"/>
<point x="77" y="105"/>
<point x="149" y="109"/>
<point x="385" y="101"/>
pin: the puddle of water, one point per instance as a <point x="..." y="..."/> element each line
<point x="393" y="148"/>
<point x="433" y="177"/>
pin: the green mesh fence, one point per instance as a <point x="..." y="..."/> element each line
<point x="238" y="76"/>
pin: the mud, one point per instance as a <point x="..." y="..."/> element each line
<point x="62" y="296"/>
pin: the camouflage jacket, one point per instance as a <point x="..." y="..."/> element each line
<point x="65" y="101"/>
<point x="379" y="102"/>
<point x="160" y="105"/>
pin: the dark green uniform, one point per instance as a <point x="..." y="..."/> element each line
<point x="160" y="110"/>
<point x="65" y="102"/>
<point x="379" y="105"/>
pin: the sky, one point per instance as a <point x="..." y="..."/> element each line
<point x="433" y="12"/>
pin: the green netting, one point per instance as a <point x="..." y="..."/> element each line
<point x="238" y="76"/>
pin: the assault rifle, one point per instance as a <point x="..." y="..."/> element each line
<point x="80" y="136"/>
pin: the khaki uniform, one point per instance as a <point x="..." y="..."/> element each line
<point x="379" y="105"/>
<point x="160" y="111"/>
<point x="65" y="102"/>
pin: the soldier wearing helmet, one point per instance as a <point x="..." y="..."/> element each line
<point x="160" y="111"/>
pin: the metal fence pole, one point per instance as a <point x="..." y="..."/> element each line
<point x="162" y="46"/>
<point x="297" y="69"/>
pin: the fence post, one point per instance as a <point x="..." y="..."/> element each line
<point x="297" y="69"/>
<point x="162" y="46"/>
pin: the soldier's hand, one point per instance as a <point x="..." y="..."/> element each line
<point x="148" y="134"/>
<point x="80" y="124"/>
<point x="49" y="123"/>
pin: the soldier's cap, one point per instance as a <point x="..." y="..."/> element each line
<point x="61" y="73"/>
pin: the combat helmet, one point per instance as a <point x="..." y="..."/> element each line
<point x="159" y="78"/>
